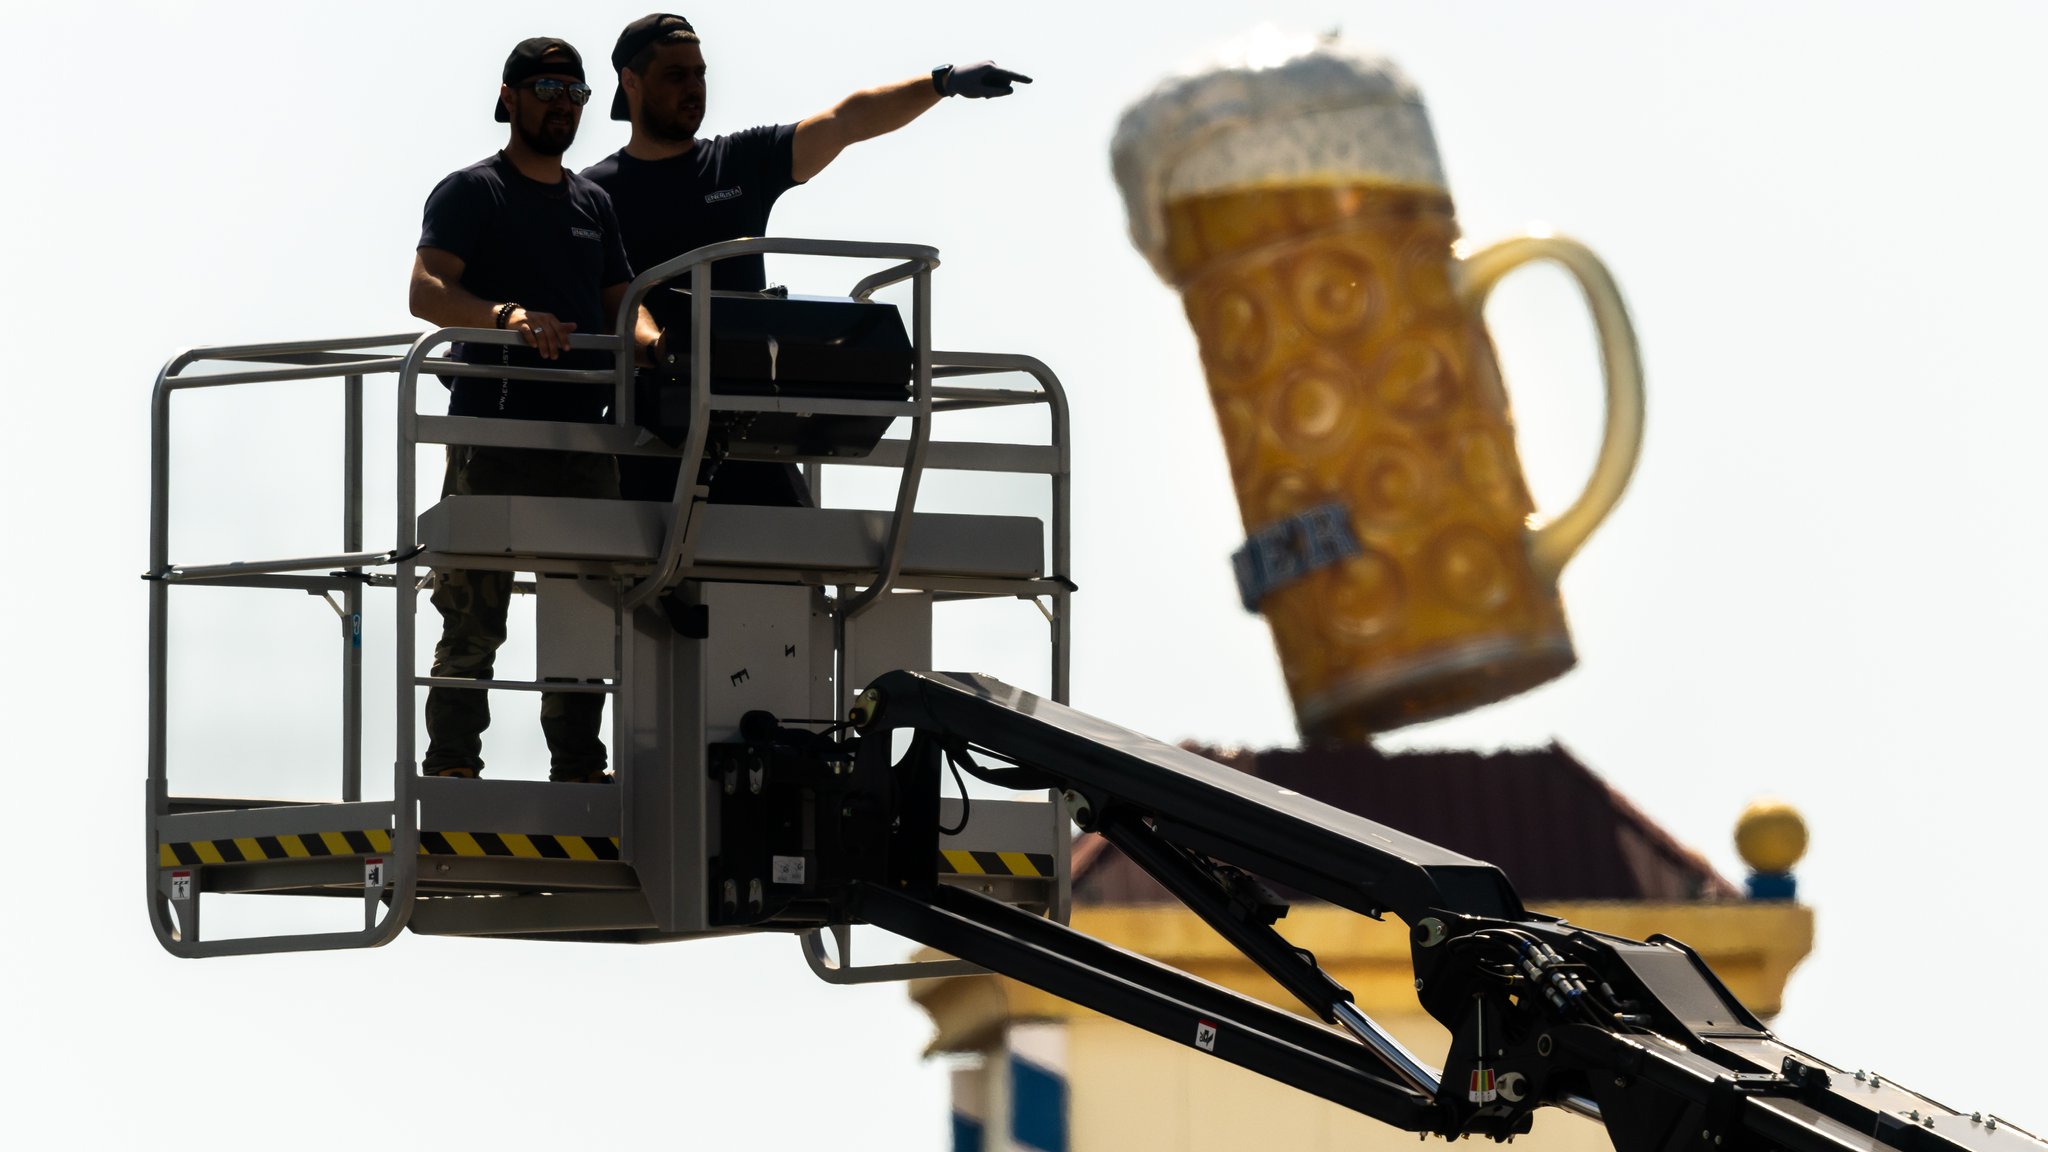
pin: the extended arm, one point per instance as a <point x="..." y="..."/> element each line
<point x="877" y="111"/>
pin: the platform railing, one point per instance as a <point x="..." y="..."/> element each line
<point x="917" y="263"/>
<point x="348" y="572"/>
<point x="350" y="360"/>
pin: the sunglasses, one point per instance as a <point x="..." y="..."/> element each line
<point x="548" y="90"/>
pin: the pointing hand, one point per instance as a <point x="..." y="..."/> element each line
<point x="976" y="81"/>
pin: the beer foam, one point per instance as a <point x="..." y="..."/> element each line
<point x="1320" y="113"/>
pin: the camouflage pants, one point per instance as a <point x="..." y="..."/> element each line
<point x="473" y="606"/>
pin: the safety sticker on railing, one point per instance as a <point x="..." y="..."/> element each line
<point x="302" y="846"/>
<point x="959" y="862"/>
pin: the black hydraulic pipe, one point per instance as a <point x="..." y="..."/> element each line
<point x="1293" y="968"/>
<point x="1162" y="978"/>
<point x="1160" y="1000"/>
<point x="1205" y="897"/>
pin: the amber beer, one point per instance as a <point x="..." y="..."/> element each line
<point x="1345" y="369"/>
<point x="1360" y="401"/>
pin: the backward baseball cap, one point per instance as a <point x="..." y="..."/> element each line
<point x="538" y="56"/>
<point x="639" y="34"/>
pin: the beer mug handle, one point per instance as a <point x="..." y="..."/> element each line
<point x="1554" y="543"/>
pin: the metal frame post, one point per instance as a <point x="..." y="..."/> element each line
<point x="1062" y="534"/>
<point x="352" y="596"/>
<point x="405" y="581"/>
<point x="913" y="461"/>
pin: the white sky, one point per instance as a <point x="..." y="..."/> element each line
<point x="1827" y="220"/>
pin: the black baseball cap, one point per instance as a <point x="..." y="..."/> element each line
<point x="639" y="34"/>
<point x="538" y="57"/>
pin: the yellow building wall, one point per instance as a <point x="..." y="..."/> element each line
<point x="1130" y="1090"/>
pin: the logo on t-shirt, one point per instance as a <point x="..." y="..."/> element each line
<point x="721" y="194"/>
<point x="586" y="234"/>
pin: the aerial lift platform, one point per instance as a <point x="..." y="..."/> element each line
<point x="810" y="794"/>
<point x="689" y="615"/>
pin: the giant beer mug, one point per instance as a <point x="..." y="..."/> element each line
<point x="1301" y="210"/>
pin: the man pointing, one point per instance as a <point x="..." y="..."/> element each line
<point x="675" y="191"/>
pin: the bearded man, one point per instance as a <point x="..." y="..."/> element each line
<point x="677" y="190"/>
<point x="518" y="242"/>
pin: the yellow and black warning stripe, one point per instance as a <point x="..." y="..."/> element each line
<point x="376" y="841"/>
<point x="303" y="846"/>
<point x="514" y="845"/>
<point x="959" y="862"/>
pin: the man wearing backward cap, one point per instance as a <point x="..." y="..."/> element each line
<point x="520" y="243"/>
<point x="675" y="191"/>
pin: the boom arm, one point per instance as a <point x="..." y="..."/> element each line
<point x="1640" y="1035"/>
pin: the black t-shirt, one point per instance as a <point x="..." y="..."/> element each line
<point x="722" y="189"/>
<point x="549" y="247"/>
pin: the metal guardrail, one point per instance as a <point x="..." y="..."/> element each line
<point x="406" y="355"/>
<point x="918" y="263"/>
